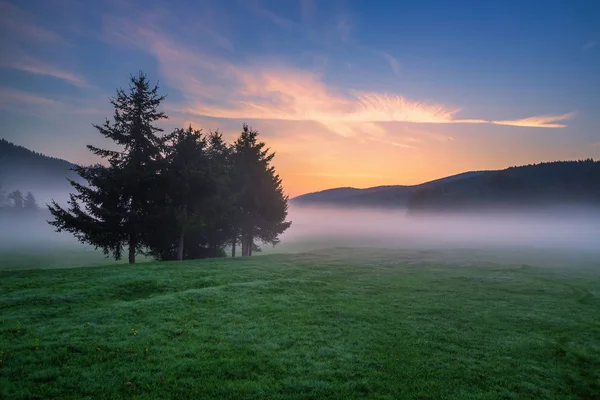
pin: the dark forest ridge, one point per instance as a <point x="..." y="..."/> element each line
<point x="559" y="182"/>
<point x="27" y="170"/>
<point x="24" y="169"/>
<point x="379" y="195"/>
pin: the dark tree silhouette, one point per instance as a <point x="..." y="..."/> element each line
<point x="17" y="199"/>
<point x="30" y="203"/>
<point x="531" y="187"/>
<point x="195" y="211"/>
<point x="189" y="181"/>
<point x="110" y="211"/>
<point x="260" y="206"/>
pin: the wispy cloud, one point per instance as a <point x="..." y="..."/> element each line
<point x="392" y="61"/>
<point x="14" y="97"/>
<point x="589" y="45"/>
<point x="40" y="68"/>
<point x="542" y="121"/>
<point x="218" y="38"/>
<point x="343" y="27"/>
<point x="216" y="88"/>
<point x="30" y="103"/>
<point x="276" y="18"/>
<point x="14" y="20"/>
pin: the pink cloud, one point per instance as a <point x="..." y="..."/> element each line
<point x="12" y="97"/>
<point x="542" y="121"/>
<point x="40" y="68"/>
<point x="216" y="88"/>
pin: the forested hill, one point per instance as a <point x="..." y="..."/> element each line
<point x="380" y="196"/>
<point x="26" y="170"/>
<point x="553" y="183"/>
<point x="537" y="186"/>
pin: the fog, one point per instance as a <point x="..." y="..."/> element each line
<point x="18" y="233"/>
<point x="568" y="232"/>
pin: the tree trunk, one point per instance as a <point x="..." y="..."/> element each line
<point x="132" y="246"/>
<point x="250" y="245"/>
<point x="244" y="247"/>
<point x="233" y="244"/>
<point x="180" y="245"/>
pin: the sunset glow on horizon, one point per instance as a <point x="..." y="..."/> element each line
<point x="347" y="93"/>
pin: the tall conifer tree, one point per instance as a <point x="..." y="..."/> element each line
<point x="260" y="205"/>
<point x="111" y="210"/>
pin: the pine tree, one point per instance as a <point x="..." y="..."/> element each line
<point x="195" y="210"/>
<point x="111" y="211"/>
<point x="260" y="206"/>
<point x="17" y="199"/>
<point x="189" y="181"/>
<point x="30" y="203"/>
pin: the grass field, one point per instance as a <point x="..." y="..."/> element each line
<point x="340" y="323"/>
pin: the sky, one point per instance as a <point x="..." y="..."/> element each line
<point x="346" y="92"/>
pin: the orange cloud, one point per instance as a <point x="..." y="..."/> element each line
<point x="216" y="88"/>
<point x="542" y="121"/>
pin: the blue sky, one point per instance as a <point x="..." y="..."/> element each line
<point x="349" y="93"/>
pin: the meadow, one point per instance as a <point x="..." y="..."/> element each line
<point x="343" y="322"/>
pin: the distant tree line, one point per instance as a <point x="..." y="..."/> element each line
<point x="532" y="186"/>
<point x="182" y="195"/>
<point x="17" y="203"/>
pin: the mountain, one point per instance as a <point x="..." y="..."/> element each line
<point x="536" y="186"/>
<point x="552" y="184"/>
<point x="26" y="170"/>
<point x="379" y="196"/>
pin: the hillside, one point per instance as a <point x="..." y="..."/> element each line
<point x="528" y="186"/>
<point x="535" y="186"/>
<point x="379" y="196"/>
<point x="26" y="170"/>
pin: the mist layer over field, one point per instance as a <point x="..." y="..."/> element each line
<point x="517" y="237"/>
<point x="565" y="231"/>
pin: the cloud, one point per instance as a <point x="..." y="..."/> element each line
<point x="542" y="121"/>
<point x="14" y="20"/>
<point x="15" y="100"/>
<point x="392" y="61"/>
<point x="589" y="45"/>
<point x="343" y="28"/>
<point x="41" y="68"/>
<point x="13" y="96"/>
<point x="217" y="88"/>
<point x="275" y="18"/>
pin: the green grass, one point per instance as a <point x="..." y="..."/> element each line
<point x="55" y="255"/>
<point x="341" y="323"/>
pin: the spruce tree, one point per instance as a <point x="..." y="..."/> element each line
<point x="111" y="211"/>
<point x="260" y="205"/>
<point x="30" y="203"/>
<point x="17" y="199"/>
<point x="194" y="213"/>
<point x="190" y="184"/>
